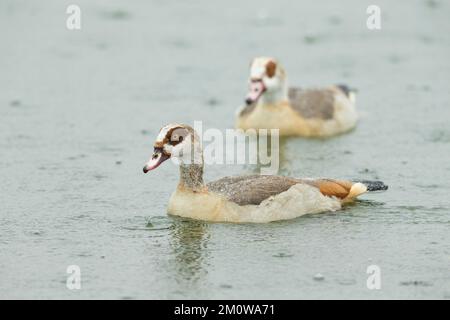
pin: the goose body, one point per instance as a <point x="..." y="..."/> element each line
<point x="239" y="199"/>
<point x="270" y="104"/>
<point x="213" y="205"/>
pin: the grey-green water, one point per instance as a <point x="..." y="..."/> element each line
<point x="79" y="111"/>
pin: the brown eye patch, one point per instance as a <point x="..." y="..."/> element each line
<point x="176" y="136"/>
<point x="175" y="140"/>
<point x="271" y="68"/>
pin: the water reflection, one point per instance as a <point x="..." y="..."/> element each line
<point x="188" y="241"/>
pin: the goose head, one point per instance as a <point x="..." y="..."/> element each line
<point x="267" y="82"/>
<point x="178" y="142"/>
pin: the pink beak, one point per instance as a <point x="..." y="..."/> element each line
<point x="257" y="88"/>
<point x="154" y="162"/>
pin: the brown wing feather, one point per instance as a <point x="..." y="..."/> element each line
<point x="312" y="103"/>
<point x="254" y="189"/>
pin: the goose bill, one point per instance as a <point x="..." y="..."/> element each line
<point x="257" y="88"/>
<point x="157" y="158"/>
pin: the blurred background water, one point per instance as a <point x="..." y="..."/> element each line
<point x="79" y="111"/>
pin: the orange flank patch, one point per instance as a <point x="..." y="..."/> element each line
<point x="333" y="188"/>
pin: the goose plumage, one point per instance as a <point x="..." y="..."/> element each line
<point x="271" y="104"/>
<point x="247" y="198"/>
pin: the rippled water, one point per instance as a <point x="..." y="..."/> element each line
<point x="79" y="111"/>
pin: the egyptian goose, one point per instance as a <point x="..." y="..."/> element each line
<point x="254" y="198"/>
<point x="299" y="112"/>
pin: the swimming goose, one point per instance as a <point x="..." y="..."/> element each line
<point x="253" y="198"/>
<point x="304" y="112"/>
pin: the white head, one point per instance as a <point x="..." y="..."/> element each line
<point x="178" y="142"/>
<point x="267" y="82"/>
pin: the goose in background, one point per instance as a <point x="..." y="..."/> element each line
<point x="271" y="104"/>
<point x="246" y="198"/>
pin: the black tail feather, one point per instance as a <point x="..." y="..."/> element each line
<point x="374" y="185"/>
<point x="346" y="89"/>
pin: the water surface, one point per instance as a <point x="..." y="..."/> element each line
<point x="79" y="111"/>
